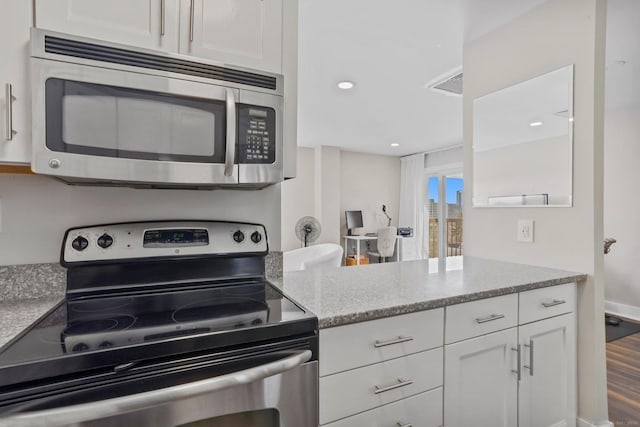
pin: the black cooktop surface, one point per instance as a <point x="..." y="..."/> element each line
<point x="97" y="331"/>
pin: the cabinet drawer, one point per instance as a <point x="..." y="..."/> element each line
<point x="422" y="410"/>
<point x="472" y="319"/>
<point x="365" y="388"/>
<point x="360" y="344"/>
<point x="547" y="302"/>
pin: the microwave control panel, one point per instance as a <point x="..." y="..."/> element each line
<point x="256" y="134"/>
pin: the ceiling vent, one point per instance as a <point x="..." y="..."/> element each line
<point x="449" y="83"/>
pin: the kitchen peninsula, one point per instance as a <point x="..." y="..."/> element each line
<point x="384" y="342"/>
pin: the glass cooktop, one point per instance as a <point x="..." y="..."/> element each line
<point x="130" y="321"/>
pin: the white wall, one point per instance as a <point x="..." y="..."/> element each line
<point x="331" y="181"/>
<point x="622" y="210"/>
<point x="535" y="167"/>
<point x="369" y="181"/>
<point x="555" y="34"/>
<point x="36" y="211"/>
<point x="298" y="197"/>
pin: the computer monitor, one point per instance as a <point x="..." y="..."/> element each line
<point x="354" y="220"/>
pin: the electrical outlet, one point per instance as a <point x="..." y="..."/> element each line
<point x="525" y="230"/>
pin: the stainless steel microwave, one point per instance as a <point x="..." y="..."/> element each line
<point x="115" y="115"/>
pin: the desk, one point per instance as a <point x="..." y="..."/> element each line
<point x="397" y="251"/>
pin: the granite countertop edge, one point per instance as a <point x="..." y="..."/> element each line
<point x="357" y="317"/>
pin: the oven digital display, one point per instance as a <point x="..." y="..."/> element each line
<point x="175" y="237"/>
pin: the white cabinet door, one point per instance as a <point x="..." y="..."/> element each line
<point x="144" y="23"/>
<point x="15" y="109"/>
<point x="246" y="33"/>
<point x="548" y="385"/>
<point x="480" y="387"/>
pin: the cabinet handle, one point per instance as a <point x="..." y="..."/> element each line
<point x="554" y="302"/>
<point x="489" y="318"/>
<point x="530" y="365"/>
<point x="10" y="98"/>
<point x="519" y="359"/>
<point x="400" y="383"/>
<point x="192" y="11"/>
<point x="162" y="16"/>
<point x="401" y="424"/>
<point x="398" y="340"/>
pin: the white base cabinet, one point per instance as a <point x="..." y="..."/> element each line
<point x="507" y="361"/>
<point x="548" y="385"/>
<point x="522" y="376"/>
<point x="421" y="410"/>
<point x="481" y="387"/>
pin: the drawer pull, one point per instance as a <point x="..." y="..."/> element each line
<point x="489" y="318"/>
<point x="553" y="303"/>
<point x="401" y="424"/>
<point x="400" y="383"/>
<point x="398" y="340"/>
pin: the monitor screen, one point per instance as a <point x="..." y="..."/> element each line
<point x="354" y="219"/>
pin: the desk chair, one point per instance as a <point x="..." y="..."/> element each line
<point x="386" y="243"/>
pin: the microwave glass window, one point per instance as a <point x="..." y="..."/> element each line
<point x="102" y="120"/>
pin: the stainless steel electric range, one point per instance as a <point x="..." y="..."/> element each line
<point x="165" y="324"/>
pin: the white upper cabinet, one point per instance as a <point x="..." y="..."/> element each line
<point x="15" y="93"/>
<point x="145" y="23"/>
<point x="247" y="33"/>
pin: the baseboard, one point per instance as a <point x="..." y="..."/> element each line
<point x="582" y="423"/>
<point x="623" y="310"/>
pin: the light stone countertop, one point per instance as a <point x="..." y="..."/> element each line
<point x="338" y="296"/>
<point x="344" y="295"/>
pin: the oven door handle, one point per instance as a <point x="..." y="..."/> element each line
<point x="125" y="404"/>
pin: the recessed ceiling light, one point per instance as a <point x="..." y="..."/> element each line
<point x="395" y="144"/>
<point x="345" y="85"/>
<point x="534" y="124"/>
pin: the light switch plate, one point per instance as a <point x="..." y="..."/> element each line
<point x="525" y="230"/>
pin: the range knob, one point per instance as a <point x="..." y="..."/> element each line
<point x="80" y="347"/>
<point x="79" y="243"/>
<point x="238" y="236"/>
<point x="256" y="237"/>
<point x="105" y="241"/>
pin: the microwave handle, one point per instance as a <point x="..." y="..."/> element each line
<point x="230" y="154"/>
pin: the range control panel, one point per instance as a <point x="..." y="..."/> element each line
<point x="256" y="134"/>
<point x="137" y="240"/>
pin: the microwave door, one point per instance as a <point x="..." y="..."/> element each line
<point x="115" y="126"/>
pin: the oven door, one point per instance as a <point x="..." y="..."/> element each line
<point x="100" y="124"/>
<point x="280" y="393"/>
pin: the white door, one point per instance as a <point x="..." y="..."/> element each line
<point x="246" y="33"/>
<point x="15" y="93"/>
<point x="480" y="387"/>
<point x="144" y="23"/>
<point x="548" y="385"/>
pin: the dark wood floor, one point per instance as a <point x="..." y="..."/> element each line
<point x="623" y="375"/>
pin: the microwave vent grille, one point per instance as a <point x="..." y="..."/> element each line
<point x="102" y="53"/>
